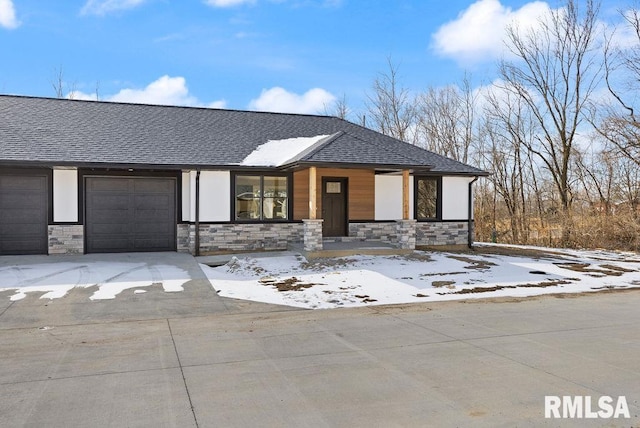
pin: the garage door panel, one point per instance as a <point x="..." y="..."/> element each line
<point x="163" y="187"/>
<point x="109" y="200"/>
<point x="108" y="185"/>
<point x="20" y="246"/>
<point x="160" y="200"/>
<point x="151" y="244"/>
<point x="113" y="229"/>
<point x="146" y="228"/>
<point x="153" y="215"/>
<point x="131" y="214"/>
<point x="18" y="230"/>
<point x="21" y="182"/>
<point x="110" y="244"/>
<point x="14" y="199"/>
<point x="24" y="212"/>
<point x="109" y="216"/>
<point x="14" y="216"/>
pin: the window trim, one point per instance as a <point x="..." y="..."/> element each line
<point x="438" y="180"/>
<point x="261" y="174"/>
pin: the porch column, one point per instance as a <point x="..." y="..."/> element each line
<point x="405" y="194"/>
<point x="312" y="234"/>
<point x="406" y="234"/>
<point x="313" y="225"/>
<point x="313" y="194"/>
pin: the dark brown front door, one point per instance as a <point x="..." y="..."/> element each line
<point x="334" y="206"/>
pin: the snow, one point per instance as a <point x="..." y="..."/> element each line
<point x="420" y="277"/>
<point x="278" y="152"/>
<point x="55" y="280"/>
<point x="348" y="281"/>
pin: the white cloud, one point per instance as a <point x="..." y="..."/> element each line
<point x="103" y="7"/>
<point x="298" y="3"/>
<point x="478" y="33"/>
<point x="228" y="3"/>
<point x="164" y="91"/>
<point x="623" y="35"/>
<point x="280" y="100"/>
<point x="8" y="15"/>
<point x="218" y="104"/>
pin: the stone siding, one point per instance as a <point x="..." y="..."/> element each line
<point x="384" y="232"/>
<point x="442" y="233"/>
<point x="185" y="242"/>
<point x="242" y="237"/>
<point x="406" y="232"/>
<point x="69" y="239"/>
<point x="361" y="232"/>
<point x="312" y="236"/>
<point x="66" y="239"/>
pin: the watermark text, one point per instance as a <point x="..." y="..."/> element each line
<point x="585" y="407"/>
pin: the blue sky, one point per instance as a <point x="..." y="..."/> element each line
<point x="278" y="55"/>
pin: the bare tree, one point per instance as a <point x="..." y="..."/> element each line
<point x="446" y="120"/>
<point x="97" y="90"/>
<point x="338" y="108"/>
<point x="58" y="83"/>
<point x="555" y="73"/>
<point x="596" y="173"/>
<point x="620" y="123"/>
<point x="60" y="86"/>
<point x="628" y="184"/>
<point x="391" y="107"/>
<point x="507" y="128"/>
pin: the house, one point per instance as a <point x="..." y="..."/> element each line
<point x="90" y="177"/>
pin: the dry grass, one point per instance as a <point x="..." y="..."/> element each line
<point x="620" y="231"/>
<point x="289" y="284"/>
<point x="502" y="287"/>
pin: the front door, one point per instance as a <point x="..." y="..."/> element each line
<point x="334" y="206"/>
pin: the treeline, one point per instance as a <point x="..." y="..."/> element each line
<point x="558" y="131"/>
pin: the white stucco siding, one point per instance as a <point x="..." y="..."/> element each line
<point x="455" y="198"/>
<point x="186" y="196"/>
<point x="65" y="195"/>
<point x="388" y="194"/>
<point x="215" y="200"/>
<point x="214" y="196"/>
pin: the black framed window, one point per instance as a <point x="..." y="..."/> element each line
<point x="427" y="195"/>
<point x="261" y="197"/>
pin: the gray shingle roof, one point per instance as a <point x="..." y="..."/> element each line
<point x="69" y="132"/>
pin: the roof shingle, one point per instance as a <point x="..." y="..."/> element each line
<point x="68" y="132"/>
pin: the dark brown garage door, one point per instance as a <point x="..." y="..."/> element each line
<point x="130" y="214"/>
<point x="23" y="213"/>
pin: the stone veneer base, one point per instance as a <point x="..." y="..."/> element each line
<point x="66" y="239"/>
<point x="239" y="237"/>
<point x="279" y="236"/>
<point x="442" y="233"/>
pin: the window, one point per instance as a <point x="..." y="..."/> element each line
<point x="261" y="197"/>
<point x="427" y="198"/>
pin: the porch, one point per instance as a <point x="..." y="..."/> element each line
<point x="349" y="246"/>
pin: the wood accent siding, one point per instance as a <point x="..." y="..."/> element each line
<point x="301" y="194"/>
<point x="361" y="192"/>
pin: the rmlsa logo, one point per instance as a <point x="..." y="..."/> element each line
<point x="582" y="406"/>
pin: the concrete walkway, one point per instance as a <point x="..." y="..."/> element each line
<point x="195" y="359"/>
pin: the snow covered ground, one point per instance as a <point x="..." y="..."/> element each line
<point x="492" y="271"/>
<point x="55" y="280"/>
<point x="423" y="276"/>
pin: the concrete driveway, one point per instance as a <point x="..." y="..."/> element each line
<point x="193" y="358"/>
